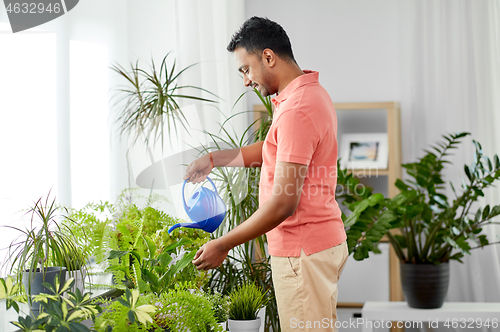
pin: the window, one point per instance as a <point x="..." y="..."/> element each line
<point x="89" y="123"/>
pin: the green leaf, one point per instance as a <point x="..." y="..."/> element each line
<point x="486" y="212"/>
<point x="401" y="185"/>
<point x="478" y="191"/>
<point x="150" y="277"/>
<point x="483" y="240"/>
<point x="360" y="253"/>
<point x="477" y="217"/>
<point x="490" y="165"/>
<point x="370" y="246"/>
<point x="375" y="199"/>
<point x="151" y="246"/>
<point x="495" y="211"/>
<point x="117" y="254"/>
<point x="467" y="172"/>
<point x="441" y="201"/>
<point x="131" y="316"/>
<point x="179" y="243"/>
<point x="351" y="220"/>
<point x="374" y="234"/>
<point x="164" y="259"/>
<point x="123" y="302"/>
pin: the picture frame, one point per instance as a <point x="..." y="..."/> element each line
<point x="364" y="150"/>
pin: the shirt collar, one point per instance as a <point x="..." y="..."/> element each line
<point x="308" y="77"/>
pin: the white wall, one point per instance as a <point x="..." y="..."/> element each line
<point x="353" y="44"/>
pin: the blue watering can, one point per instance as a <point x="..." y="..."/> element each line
<point x="205" y="208"/>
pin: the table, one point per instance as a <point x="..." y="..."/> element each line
<point x="468" y="315"/>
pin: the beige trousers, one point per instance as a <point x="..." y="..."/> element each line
<point x="306" y="289"/>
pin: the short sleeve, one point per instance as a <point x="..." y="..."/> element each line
<point x="297" y="138"/>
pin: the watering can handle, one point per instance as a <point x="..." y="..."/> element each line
<point x="215" y="188"/>
<point x="184" y="198"/>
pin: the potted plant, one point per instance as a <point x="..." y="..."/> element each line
<point x="42" y="251"/>
<point x="220" y="308"/>
<point x="245" y="303"/>
<point x="425" y="227"/>
<point x="63" y="309"/>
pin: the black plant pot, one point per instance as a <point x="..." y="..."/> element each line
<point x="36" y="278"/>
<point x="425" y="285"/>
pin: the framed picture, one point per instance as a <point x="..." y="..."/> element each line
<point x="359" y="151"/>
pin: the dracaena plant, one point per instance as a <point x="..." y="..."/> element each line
<point x="151" y="100"/>
<point x="423" y="224"/>
<point x="47" y="241"/>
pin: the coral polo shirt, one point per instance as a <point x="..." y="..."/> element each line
<point x="304" y="131"/>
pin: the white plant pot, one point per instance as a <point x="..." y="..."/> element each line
<point x="79" y="277"/>
<point x="244" y="325"/>
<point x="223" y="325"/>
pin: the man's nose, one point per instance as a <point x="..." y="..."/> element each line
<point x="246" y="81"/>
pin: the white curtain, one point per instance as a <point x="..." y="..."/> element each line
<point x="451" y="82"/>
<point x="202" y="32"/>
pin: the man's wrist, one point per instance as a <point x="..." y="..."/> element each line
<point x="211" y="159"/>
<point x="224" y="243"/>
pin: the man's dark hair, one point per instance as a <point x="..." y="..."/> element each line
<point x="258" y="33"/>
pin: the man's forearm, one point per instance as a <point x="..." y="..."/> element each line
<point x="267" y="217"/>
<point x="247" y="156"/>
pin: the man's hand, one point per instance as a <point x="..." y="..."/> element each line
<point x="210" y="255"/>
<point x="198" y="170"/>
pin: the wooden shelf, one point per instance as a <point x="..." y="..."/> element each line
<point x="349" y="305"/>
<point x="392" y="173"/>
<point x="369" y="172"/>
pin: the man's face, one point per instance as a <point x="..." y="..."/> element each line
<point x="256" y="73"/>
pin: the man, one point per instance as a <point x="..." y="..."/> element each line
<point x="297" y="207"/>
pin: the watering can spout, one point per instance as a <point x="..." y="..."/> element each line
<point x="205" y="208"/>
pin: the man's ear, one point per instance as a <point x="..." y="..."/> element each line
<point x="269" y="57"/>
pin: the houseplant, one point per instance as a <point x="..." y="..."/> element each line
<point x="220" y="307"/>
<point x="46" y="242"/>
<point x="63" y="310"/>
<point x="151" y="100"/>
<point x="425" y="227"/>
<point x="177" y="309"/>
<point x="135" y="232"/>
<point x="245" y="303"/>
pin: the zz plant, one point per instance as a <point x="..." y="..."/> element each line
<point x="428" y="227"/>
